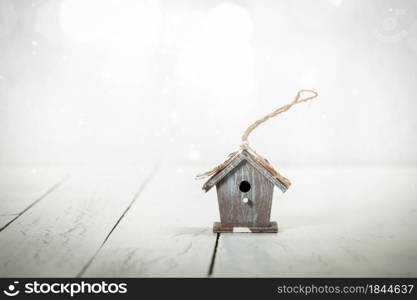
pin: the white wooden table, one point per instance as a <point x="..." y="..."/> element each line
<point x="146" y="221"/>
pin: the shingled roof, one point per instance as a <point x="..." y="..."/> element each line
<point x="255" y="161"/>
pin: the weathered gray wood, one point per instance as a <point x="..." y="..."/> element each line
<point x="21" y="187"/>
<point x="334" y="221"/>
<point x="271" y="228"/>
<point x="59" y="235"/>
<point x="167" y="232"/>
<point x="246" y="157"/>
<point x="233" y="211"/>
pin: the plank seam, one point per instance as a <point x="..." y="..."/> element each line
<point x="135" y="197"/>
<point x="43" y="196"/>
<point x="213" y="258"/>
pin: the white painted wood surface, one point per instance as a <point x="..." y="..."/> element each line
<point x="20" y="187"/>
<point x="59" y="235"/>
<point x="167" y="232"/>
<point x="333" y="221"/>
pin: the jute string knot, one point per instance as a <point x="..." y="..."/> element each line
<point x="245" y="142"/>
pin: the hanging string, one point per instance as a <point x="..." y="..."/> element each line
<point x="245" y="143"/>
<point x="276" y="112"/>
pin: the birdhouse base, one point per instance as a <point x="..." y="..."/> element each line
<point x="219" y="228"/>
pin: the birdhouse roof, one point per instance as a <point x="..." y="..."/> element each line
<point x="255" y="161"/>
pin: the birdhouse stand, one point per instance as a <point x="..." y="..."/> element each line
<point x="245" y="184"/>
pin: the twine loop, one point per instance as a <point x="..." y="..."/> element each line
<point x="245" y="142"/>
<point x="297" y="99"/>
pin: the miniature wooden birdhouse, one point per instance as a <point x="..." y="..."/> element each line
<point x="245" y="184"/>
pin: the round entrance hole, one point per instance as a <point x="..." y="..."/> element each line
<point x="244" y="186"/>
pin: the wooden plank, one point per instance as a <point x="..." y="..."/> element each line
<point x="21" y="187"/>
<point x="167" y="232"/>
<point x="345" y="221"/>
<point x="6" y="219"/>
<point x="60" y="234"/>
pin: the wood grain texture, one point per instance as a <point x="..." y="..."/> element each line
<point x="233" y="211"/>
<point x="335" y="221"/>
<point x="63" y="232"/>
<point x="263" y="167"/>
<point x="6" y="219"/>
<point x="21" y="187"/>
<point x="362" y="224"/>
<point x="167" y="232"/>
<point x="219" y="228"/>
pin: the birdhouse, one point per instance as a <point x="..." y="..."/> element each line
<point x="245" y="185"/>
<point x="245" y="182"/>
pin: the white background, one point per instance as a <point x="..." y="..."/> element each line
<point x="109" y="82"/>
